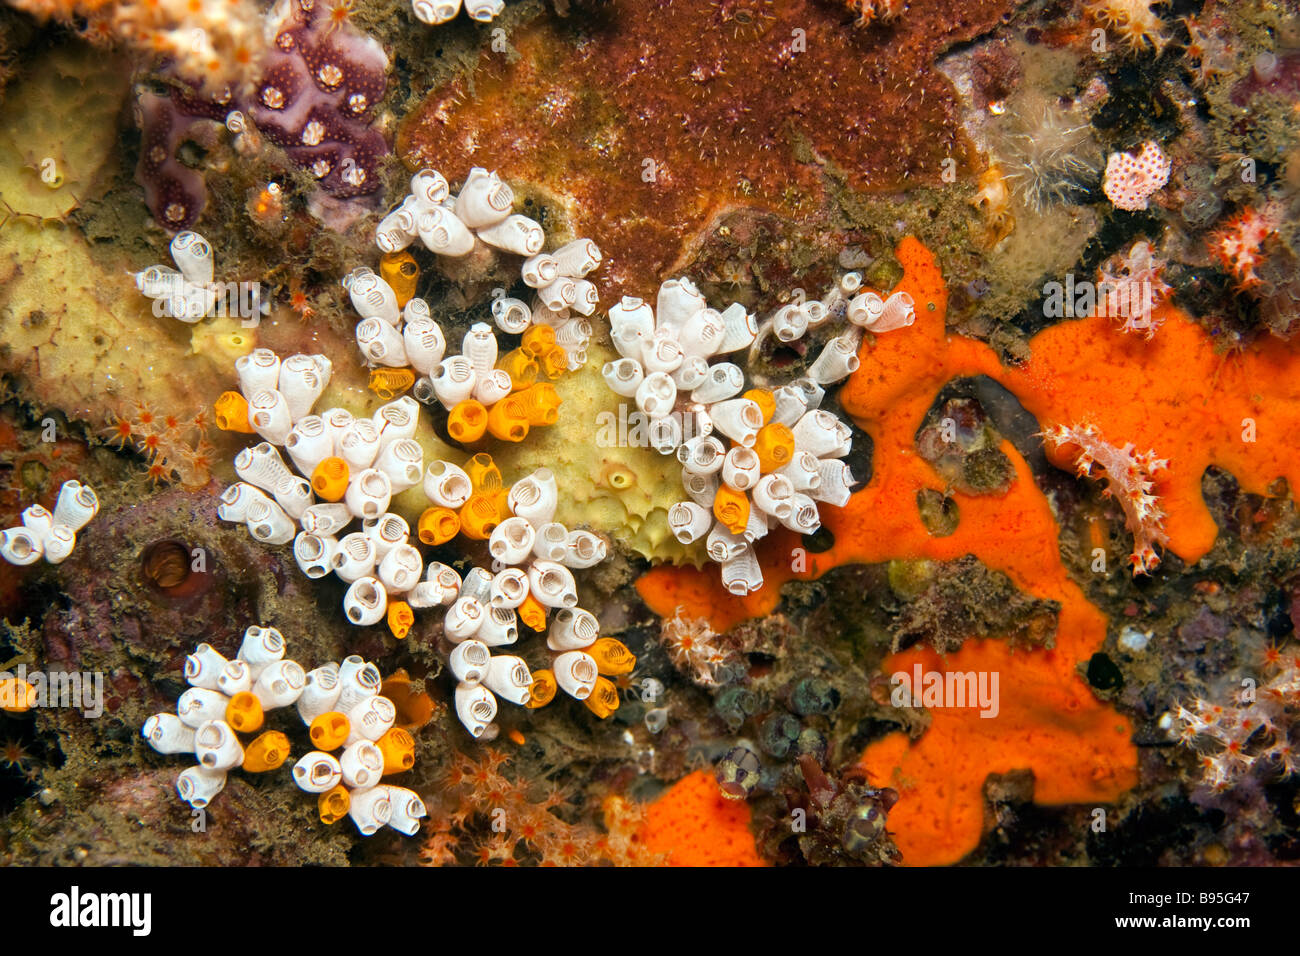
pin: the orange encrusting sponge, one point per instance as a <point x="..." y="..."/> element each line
<point x="1173" y="394"/>
<point x="692" y="824"/>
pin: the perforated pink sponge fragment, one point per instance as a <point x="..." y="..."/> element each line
<point x="1130" y="180"/>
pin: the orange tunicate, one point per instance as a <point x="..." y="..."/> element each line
<point x="438" y="525"/>
<point x="329" y="731"/>
<point x="765" y="401"/>
<point x="612" y="657"/>
<point x="537" y="340"/>
<point x="414" y="708"/>
<point x="400" y="618"/>
<point x="603" y="699"/>
<point x="478" y="516"/>
<point x="774" y="447"/>
<point x="333" y="805"/>
<point x="231" y="413"/>
<point x="541" y="403"/>
<point x="484" y="474"/>
<point x="731" y="507"/>
<point x="268" y="752"/>
<point x="244" y="713"/>
<point x="692" y="824"/>
<point x="401" y="272"/>
<point x="388" y="383"/>
<point x="16" y="696"/>
<point x="467" y="422"/>
<point x="398" y="748"/>
<point x="522" y="368"/>
<point x="533" y="613"/>
<point x="542" y="690"/>
<point x="329" y="479"/>
<point x="554" y="361"/>
<point x="507" y="420"/>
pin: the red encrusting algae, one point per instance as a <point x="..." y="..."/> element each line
<point x="1174" y="391"/>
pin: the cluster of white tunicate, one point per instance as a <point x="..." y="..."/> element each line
<point x="453" y="227"/>
<point x="532" y="556"/>
<point x="846" y="300"/>
<point x="51" y="535"/>
<point x="187" y="295"/>
<point x="782" y="462"/>
<point x="379" y="458"/>
<point x="342" y="705"/>
<point x="227" y="697"/>
<point x="434" y="12"/>
<point x="190" y="293"/>
<point x="201" y="725"/>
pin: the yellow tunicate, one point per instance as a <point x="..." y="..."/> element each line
<point x="765" y="401"/>
<point x="388" y="383"/>
<point x="537" y="340"/>
<point x="612" y="657"/>
<point x="522" y="369"/>
<point x="438" y="526"/>
<point x="334" y="804"/>
<point x="533" y="613"/>
<point x="774" y="447"/>
<point x="541" y="403"/>
<point x="329" y="479"/>
<point x="542" y="690"/>
<point x="479" y="516"/>
<point x="398" y="748"/>
<point x="467" y="422"/>
<point x="267" y="752"/>
<point x="554" y="361"/>
<point x="507" y="420"/>
<point x="603" y="699"/>
<point x="484" y="474"/>
<point x="731" y="507"/>
<point x="231" y="413"/>
<point x="244" y="713"/>
<point x="329" y="731"/>
<point x="400" y="618"/>
<point x="400" y="270"/>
